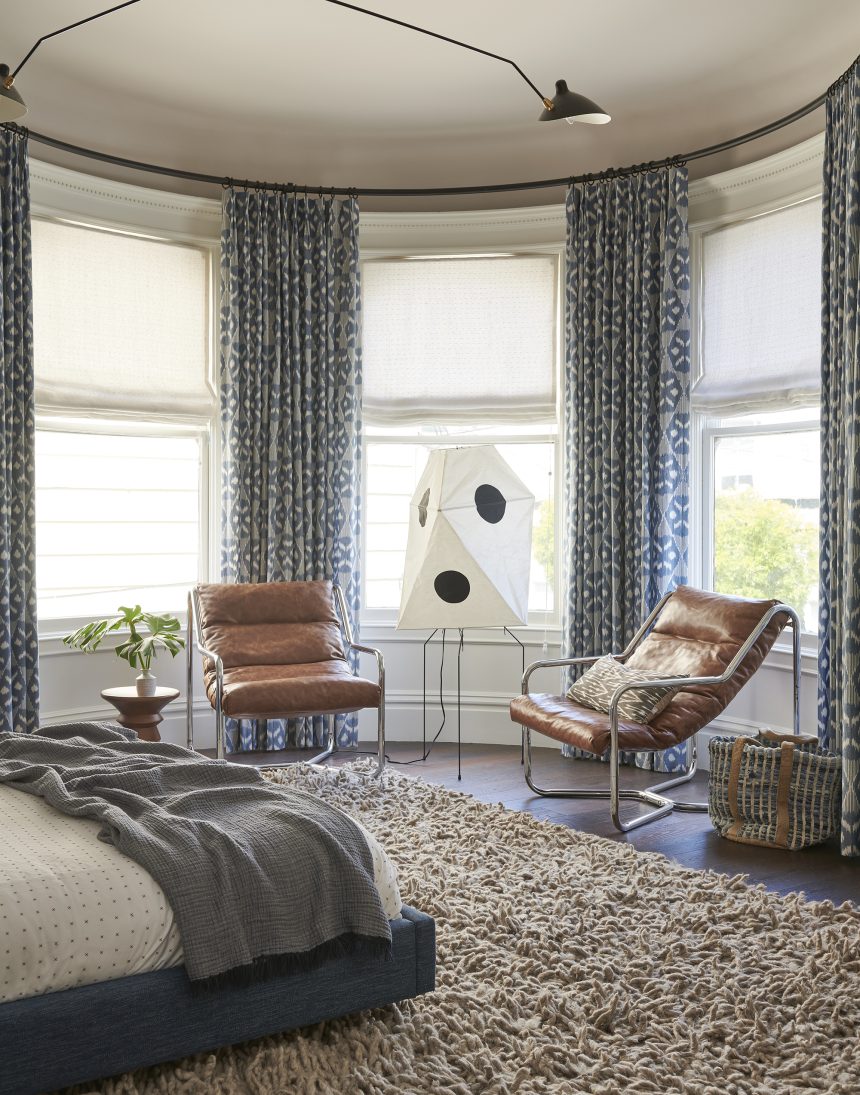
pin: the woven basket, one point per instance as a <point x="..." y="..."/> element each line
<point x="775" y="790"/>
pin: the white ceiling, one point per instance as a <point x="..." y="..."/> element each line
<point x="304" y="91"/>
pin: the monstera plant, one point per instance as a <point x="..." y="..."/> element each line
<point x="147" y="634"/>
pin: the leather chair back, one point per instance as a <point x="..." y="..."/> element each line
<point x="271" y="623"/>
<point x="698" y="634"/>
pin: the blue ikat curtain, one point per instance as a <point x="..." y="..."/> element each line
<point x="626" y="396"/>
<point x="839" y="620"/>
<point x="290" y="408"/>
<point x="19" y="644"/>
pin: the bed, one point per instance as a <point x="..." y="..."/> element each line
<point x="91" y="976"/>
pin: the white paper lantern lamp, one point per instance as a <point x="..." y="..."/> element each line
<point x="468" y="551"/>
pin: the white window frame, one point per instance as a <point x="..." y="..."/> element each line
<point x="706" y="426"/>
<point x="204" y="428"/>
<point x="546" y="433"/>
<point x="711" y="430"/>
<point x="538" y="618"/>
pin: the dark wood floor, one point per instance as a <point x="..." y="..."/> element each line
<point x="492" y="773"/>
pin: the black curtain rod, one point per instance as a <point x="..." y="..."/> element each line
<point x="433" y="191"/>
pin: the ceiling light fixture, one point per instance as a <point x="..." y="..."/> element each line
<point x="564" y="104"/>
<point x="573" y="107"/>
<point x="12" y="106"/>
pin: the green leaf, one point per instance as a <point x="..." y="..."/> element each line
<point x="161" y="633"/>
<point x="88" y="637"/>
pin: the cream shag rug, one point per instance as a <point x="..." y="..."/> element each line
<point x="566" y="963"/>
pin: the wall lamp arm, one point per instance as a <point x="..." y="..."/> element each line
<point x="548" y="103"/>
<point x="10" y="78"/>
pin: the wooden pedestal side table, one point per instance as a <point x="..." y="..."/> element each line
<point x="140" y="713"/>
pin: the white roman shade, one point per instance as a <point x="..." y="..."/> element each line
<point x="117" y="522"/>
<point x="452" y="339"/>
<point x="120" y="322"/>
<point x="761" y="312"/>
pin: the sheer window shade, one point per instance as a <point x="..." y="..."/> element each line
<point x="117" y="522"/>
<point x="450" y="339"/>
<point x="120" y="322"/>
<point x="761" y="312"/>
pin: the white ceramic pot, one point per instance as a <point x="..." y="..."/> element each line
<point x="146" y="683"/>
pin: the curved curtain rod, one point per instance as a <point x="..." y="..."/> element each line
<point x="437" y="191"/>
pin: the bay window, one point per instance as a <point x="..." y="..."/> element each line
<point x="124" y="409"/>
<point x="756" y="403"/>
<point x="457" y="350"/>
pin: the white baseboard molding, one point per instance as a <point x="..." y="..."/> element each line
<point x="484" y="721"/>
<point x="172" y="728"/>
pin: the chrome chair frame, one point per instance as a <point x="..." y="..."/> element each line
<point x="652" y="795"/>
<point x="196" y="639"/>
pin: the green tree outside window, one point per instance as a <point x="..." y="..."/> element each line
<point x="543" y="539"/>
<point x="764" y="548"/>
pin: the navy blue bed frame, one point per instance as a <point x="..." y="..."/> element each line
<point x="84" y="1034"/>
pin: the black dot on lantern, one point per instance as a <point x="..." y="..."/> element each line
<point x="452" y="586"/>
<point x="422" y="508"/>
<point x="490" y="503"/>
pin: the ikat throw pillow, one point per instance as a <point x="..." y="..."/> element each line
<point x="596" y="686"/>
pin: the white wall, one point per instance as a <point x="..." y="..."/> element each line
<point x="491" y="663"/>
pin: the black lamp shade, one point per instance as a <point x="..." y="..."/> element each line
<point x="574" y="107"/>
<point x="12" y="106"/>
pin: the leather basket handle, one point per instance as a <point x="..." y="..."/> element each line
<point x="786" y="763"/>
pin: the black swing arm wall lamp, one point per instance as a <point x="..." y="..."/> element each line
<point x="564" y="104"/>
<point x="12" y="106"/>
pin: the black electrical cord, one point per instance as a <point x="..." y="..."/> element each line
<point x="434" y="739"/>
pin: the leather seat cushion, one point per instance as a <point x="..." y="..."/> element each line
<point x="560" y="718"/>
<point x="287" y="691"/>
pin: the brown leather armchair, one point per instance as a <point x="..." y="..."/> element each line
<point x="274" y="650"/>
<point x="707" y="645"/>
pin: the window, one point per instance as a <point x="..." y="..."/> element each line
<point x="118" y="521"/>
<point x="457" y="351"/>
<point x="124" y="404"/>
<point x="764" y="508"/>
<point x="394" y="464"/>
<point x="757" y="404"/>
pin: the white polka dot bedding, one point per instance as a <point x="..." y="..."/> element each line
<point x="74" y="910"/>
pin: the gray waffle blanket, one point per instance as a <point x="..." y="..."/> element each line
<point x="262" y="879"/>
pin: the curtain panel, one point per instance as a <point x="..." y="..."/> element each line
<point x="290" y="408"/>
<point x="839" y="615"/>
<point x="626" y="400"/>
<point x="19" y="641"/>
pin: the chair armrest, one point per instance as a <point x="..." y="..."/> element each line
<point x="196" y="638"/>
<point x="728" y="672"/>
<point x="340" y="601"/>
<point x="666" y="682"/>
<point x="380" y="661"/>
<point x="557" y="663"/>
<point x="216" y="658"/>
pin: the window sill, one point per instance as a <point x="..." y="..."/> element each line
<point x="385" y="631"/>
